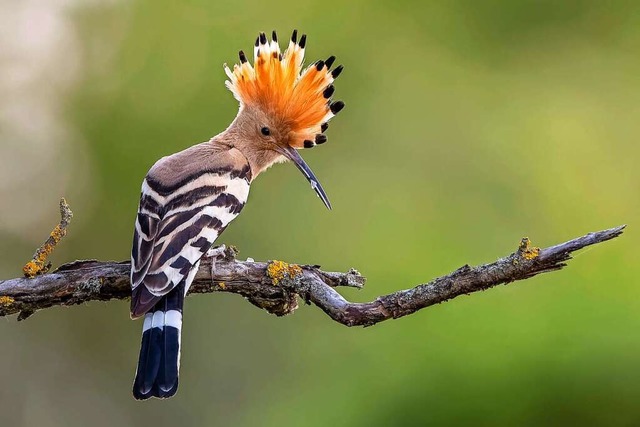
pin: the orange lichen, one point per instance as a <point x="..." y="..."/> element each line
<point x="527" y="251"/>
<point x="531" y="253"/>
<point x="38" y="264"/>
<point x="31" y="269"/>
<point x="6" y="301"/>
<point x="280" y="270"/>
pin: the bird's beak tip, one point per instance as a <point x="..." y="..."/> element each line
<point x="292" y="154"/>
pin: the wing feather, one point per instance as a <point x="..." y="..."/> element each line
<point x="175" y="227"/>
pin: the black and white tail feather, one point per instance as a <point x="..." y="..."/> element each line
<point x="187" y="200"/>
<point x="159" y="361"/>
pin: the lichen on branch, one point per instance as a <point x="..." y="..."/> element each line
<point x="276" y="285"/>
<point x="38" y="264"/>
<point x="280" y="270"/>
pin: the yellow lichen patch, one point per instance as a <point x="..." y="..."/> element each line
<point x="527" y="251"/>
<point x="6" y="301"/>
<point x="31" y="269"/>
<point x="280" y="270"/>
<point x="531" y="253"/>
<point x="58" y="233"/>
<point x="222" y="285"/>
<point x="38" y="264"/>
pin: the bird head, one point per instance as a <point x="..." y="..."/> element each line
<point x="283" y="106"/>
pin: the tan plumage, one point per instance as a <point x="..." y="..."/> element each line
<point x="190" y="197"/>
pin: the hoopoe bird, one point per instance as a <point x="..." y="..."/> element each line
<point x="190" y="197"/>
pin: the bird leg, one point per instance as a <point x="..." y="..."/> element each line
<point x="214" y="253"/>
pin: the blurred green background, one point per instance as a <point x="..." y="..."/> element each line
<point x="468" y="125"/>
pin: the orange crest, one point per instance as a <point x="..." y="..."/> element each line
<point x="279" y="86"/>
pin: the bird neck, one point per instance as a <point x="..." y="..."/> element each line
<point x="259" y="157"/>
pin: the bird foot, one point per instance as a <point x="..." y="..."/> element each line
<point x="214" y="253"/>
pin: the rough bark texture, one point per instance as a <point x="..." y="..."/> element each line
<point x="274" y="286"/>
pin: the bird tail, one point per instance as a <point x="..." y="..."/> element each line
<point x="159" y="361"/>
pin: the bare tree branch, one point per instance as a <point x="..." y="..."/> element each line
<point x="273" y="286"/>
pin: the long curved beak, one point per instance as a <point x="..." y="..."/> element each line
<point x="292" y="154"/>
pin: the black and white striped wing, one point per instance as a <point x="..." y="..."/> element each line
<point x="175" y="226"/>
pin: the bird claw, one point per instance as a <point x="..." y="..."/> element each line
<point x="214" y="253"/>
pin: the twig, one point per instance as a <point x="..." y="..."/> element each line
<point x="273" y="286"/>
<point x="39" y="264"/>
<point x="526" y="262"/>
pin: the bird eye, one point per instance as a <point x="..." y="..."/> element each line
<point x="265" y="131"/>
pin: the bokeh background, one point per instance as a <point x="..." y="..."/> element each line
<point x="468" y="125"/>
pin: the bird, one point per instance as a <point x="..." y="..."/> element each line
<point x="190" y="197"/>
